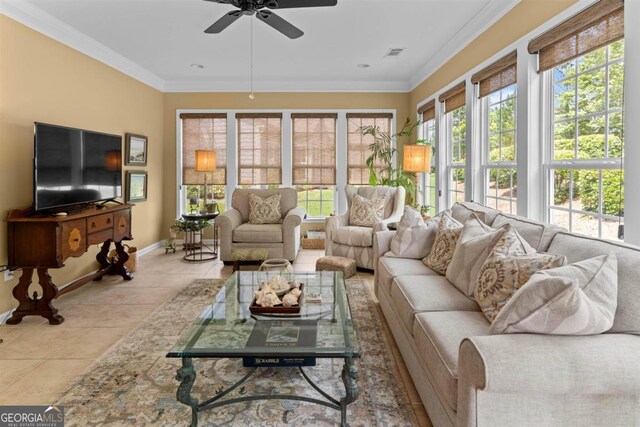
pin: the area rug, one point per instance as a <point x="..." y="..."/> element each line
<point x="133" y="383"/>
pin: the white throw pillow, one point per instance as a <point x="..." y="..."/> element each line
<point x="366" y="212"/>
<point x="473" y="247"/>
<point x="576" y="299"/>
<point x="414" y="237"/>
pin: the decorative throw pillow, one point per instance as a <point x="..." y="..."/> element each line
<point x="414" y="237"/>
<point x="264" y="211"/>
<point x="577" y="299"/>
<point x="445" y="244"/>
<point x="366" y="212"/>
<point x="508" y="267"/>
<point x="473" y="247"/>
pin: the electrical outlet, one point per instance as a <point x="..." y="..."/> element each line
<point x="8" y="275"/>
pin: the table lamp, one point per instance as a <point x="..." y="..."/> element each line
<point x="205" y="162"/>
<point x="417" y="158"/>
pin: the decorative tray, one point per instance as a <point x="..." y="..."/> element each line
<point x="278" y="309"/>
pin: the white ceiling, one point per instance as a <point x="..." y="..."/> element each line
<point x="157" y="40"/>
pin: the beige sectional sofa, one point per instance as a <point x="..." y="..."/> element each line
<point x="466" y="377"/>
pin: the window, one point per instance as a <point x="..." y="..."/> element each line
<point x="584" y="73"/>
<point x="358" y="145"/>
<point x="428" y="180"/>
<point x="259" y="149"/>
<point x="497" y="92"/>
<point x="203" y="132"/>
<point x="456" y="145"/>
<point x="314" y="162"/>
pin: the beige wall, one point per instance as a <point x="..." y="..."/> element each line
<point x="43" y="80"/>
<point x="519" y="21"/>
<point x="176" y="101"/>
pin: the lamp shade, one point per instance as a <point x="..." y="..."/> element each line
<point x="417" y="158"/>
<point x="205" y="161"/>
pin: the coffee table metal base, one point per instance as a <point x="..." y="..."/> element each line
<point x="187" y="377"/>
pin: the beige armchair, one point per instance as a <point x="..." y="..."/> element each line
<point x="343" y="239"/>
<point x="281" y="240"/>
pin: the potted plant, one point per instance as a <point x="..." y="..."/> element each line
<point x="383" y="152"/>
<point x="188" y="227"/>
<point x="424" y="211"/>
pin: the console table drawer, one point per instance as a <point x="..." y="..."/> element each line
<point x="74" y="238"/>
<point x="99" y="222"/>
<point x="99" y="237"/>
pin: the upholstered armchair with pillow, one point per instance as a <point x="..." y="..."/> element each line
<point x="369" y="210"/>
<point x="268" y="219"/>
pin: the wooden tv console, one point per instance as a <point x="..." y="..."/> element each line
<point x="40" y="242"/>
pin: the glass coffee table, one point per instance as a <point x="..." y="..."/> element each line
<point x="227" y="329"/>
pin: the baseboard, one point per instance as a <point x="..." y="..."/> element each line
<point x="151" y="247"/>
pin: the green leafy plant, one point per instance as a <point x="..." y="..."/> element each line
<point x="183" y="225"/>
<point x="382" y="153"/>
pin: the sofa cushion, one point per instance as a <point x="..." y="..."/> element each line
<point x="264" y="211"/>
<point x="576" y="299"/>
<point x="353" y="236"/>
<point x="414" y="237"/>
<point x="538" y="234"/>
<point x="366" y="212"/>
<point x="390" y="268"/>
<point x="438" y="336"/>
<point x="578" y="248"/>
<point x="507" y="268"/>
<point x="445" y="244"/>
<point x="462" y="211"/>
<point x="473" y="247"/>
<point x="414" y="294"/>
<point x="258" y="233"/>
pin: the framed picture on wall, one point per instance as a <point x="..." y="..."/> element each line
<point x="136" y="186"/>
<point x="136" y="150"/>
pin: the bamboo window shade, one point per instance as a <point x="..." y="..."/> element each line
<point x="314" y="149"/>
<point x="591" y="29"/>
<point x="454" y="97"/>
<point x="259" y="148"/>
<point x="496" y="76"/>
<point x="202" y="131"/>
<point x="428" y="110"/>
<point x="358" y="145"/>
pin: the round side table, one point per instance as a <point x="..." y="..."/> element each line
<point x="196" y="250"/>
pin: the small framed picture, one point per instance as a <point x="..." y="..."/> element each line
<point x="136" y="150"/>
<point x="136" y="186"/>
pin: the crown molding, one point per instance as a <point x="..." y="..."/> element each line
<point x="35" y="18"/>
<point x="285" y="86"/>
<point x="488" y="16"/>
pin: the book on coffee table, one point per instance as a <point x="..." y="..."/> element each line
<point x="281" y="334"/>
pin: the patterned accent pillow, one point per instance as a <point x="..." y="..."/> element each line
<point x="507" y="268"/>
<point x="264" y="211"/>
<point x="577" y="299"/>
<point x="445" y="244"/>
<point x="415" y="237"/>
<point x="366" y="212"/>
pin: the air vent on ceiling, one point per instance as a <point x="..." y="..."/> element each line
<point x="394" y="52"/>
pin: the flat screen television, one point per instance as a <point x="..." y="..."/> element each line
<point x="75" y="167"/>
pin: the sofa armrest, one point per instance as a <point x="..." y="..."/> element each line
<point x="382" y="225"/>
<point x="528" y="363"/>
<point x="293" y="218"/>
<point x="332" y="223"/>
<point x="226" y="223"/>
<point x="382" y="243"/>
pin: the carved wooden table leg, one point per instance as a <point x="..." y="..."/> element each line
<point x="118" y="267"/>
<point x="29" y="306"/>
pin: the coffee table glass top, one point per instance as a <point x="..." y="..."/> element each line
<point x="226" y="327"/>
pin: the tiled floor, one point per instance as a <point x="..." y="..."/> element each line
<point x="38" y="361"/>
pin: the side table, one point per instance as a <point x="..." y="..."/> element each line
<point x="197" y="251"/>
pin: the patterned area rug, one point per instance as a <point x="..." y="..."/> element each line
<point x="134" y="383"/>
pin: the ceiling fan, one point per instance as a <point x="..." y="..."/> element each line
<point x="255" y="7"/>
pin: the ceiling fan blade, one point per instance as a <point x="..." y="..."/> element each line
<point x="224" y="22"/>
<point x="279" y="24"/>
<point x="288" y="4"/>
